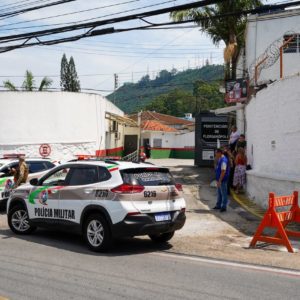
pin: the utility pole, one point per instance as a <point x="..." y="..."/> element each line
<point x="116" y="84"/>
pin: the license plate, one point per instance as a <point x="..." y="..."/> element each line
<point x="162" y="217"/>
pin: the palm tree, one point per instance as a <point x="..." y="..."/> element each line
<point x="229" y="29"/>
<point x="29" y="83"/>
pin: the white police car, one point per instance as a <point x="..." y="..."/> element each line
<point x="102" y="200"/>
<point x="37" y="168"/>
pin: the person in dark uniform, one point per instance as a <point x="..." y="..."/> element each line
<point x="148" y="150"/>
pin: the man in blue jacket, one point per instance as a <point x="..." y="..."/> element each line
<point x="222" y="175"/>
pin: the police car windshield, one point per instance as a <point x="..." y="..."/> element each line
<point x="147" y="177"/>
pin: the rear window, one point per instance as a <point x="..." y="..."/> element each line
<point x="147" y="176"/>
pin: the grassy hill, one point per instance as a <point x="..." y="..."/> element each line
<point x="132" y="97"/>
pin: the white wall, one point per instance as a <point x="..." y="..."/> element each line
<point x="273" y="137"/>
<point x="64" y="120"/>
<point x="262" y="31"/>
<point x="185" y="140"/>
<point x="171" y="139"/>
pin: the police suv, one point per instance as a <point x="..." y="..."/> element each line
<point x="37" y="168"/>
<point x="102" y="200"/>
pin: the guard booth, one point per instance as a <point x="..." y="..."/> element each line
<point x="209" y="130"/>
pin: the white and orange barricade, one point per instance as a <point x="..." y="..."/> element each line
<point x="279" y="220"/>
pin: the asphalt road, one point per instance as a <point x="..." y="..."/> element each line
<point x="48" y="265"/>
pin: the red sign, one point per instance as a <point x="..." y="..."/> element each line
<point x="45" y="150"/>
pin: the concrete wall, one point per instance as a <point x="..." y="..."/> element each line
<point x="70" y="122"/>
<point x="273" y="135"/>
<point x="174" y="145"/>
<point x="185" y="140"/>
<point x="262" y="31"/>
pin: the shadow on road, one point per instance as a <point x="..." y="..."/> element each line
<point x="75" y="243"/>
<point x="200" y="178"/>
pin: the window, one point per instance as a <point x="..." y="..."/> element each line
<point x="294" y="45"/>
<point x="7" y="171"/>
<point x="49" y="165"/>
<point x="36" y="166"/>
<point x="104" y="174"/>
<point x="57" y="178"/>
<point x="157" y="143"/>
<point x="147" y="177"/>
<point x="83" y="175"/>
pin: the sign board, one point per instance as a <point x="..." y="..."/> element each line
<point x="211" y="132"/>
<point x="236" y="90"/>
<point x="208" y="154"/>
<point x="45" y="150"/>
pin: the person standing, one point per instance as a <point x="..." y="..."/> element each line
<point x="222" y="175"/>
<point x="241" y="143"/>
<point x="21" y="173"/>
<point x="239" y="178"/>
<point x="148" y="150"/>
<point x="234" y="136"/>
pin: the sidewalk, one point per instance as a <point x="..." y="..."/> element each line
<point x="219" y="235"/>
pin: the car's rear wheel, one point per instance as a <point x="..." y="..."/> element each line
<point x="162" y="237"/>
<point x="18" y="220"/>
<point x="96" y="233"/>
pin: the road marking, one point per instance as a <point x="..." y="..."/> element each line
<point x="231" y="264"/>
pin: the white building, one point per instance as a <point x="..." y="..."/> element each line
<point x="272" y="115"/>
<point x="71" y="123"/>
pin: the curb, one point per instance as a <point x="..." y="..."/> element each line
<point x="248" y="205"/>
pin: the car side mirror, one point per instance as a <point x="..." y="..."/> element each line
<point x="34" y="181"/>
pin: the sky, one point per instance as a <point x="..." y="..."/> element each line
<point x="131" y="55"/>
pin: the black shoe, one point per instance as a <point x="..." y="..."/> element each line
<point x="216" y="207"/>
<point x="223" y="210"/>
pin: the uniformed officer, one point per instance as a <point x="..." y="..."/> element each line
<point x="21" y="174"/>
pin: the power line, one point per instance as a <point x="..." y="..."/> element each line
<point x="97" y="74"/>
<point x="93" y="25"/>
<point x="22" y="11"/>
<point x="65" y="14"/>
<point x="23" y="5"/>
<point x="96" y="18"/>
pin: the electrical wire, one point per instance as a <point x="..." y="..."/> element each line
<point x="65" y="14"/>
<point x="22" y="11"/>
<point x="92" y="25"/>
<point x="96" y="18"/>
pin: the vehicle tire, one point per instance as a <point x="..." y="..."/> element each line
<point x="18" y="220"/>
<point x="161" y="238"/>
<point x="97" y="233"/>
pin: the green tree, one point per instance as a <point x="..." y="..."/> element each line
<point x="64" y="80"/>
<point x="229" y="29"/>
<point x="68" y="75"/>
<point x="74" y="81"/>
<point x="208" y="96"/>
<point x="29" y="83"/>
<point x="176" y="103"/>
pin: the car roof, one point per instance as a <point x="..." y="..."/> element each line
<point x="120" y="164"/>
<point x="5" y="161"/>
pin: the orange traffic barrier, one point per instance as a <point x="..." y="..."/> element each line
<point x="279" y="220"/>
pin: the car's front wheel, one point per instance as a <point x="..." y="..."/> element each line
<point x="18" y="220"/>
<point x="162" y="237"/>
<point x="96" y="233"/>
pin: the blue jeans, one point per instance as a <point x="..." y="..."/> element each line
<point x="222" y="195"/>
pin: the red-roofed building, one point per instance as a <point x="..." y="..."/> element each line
<point x="168" y="136"/>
